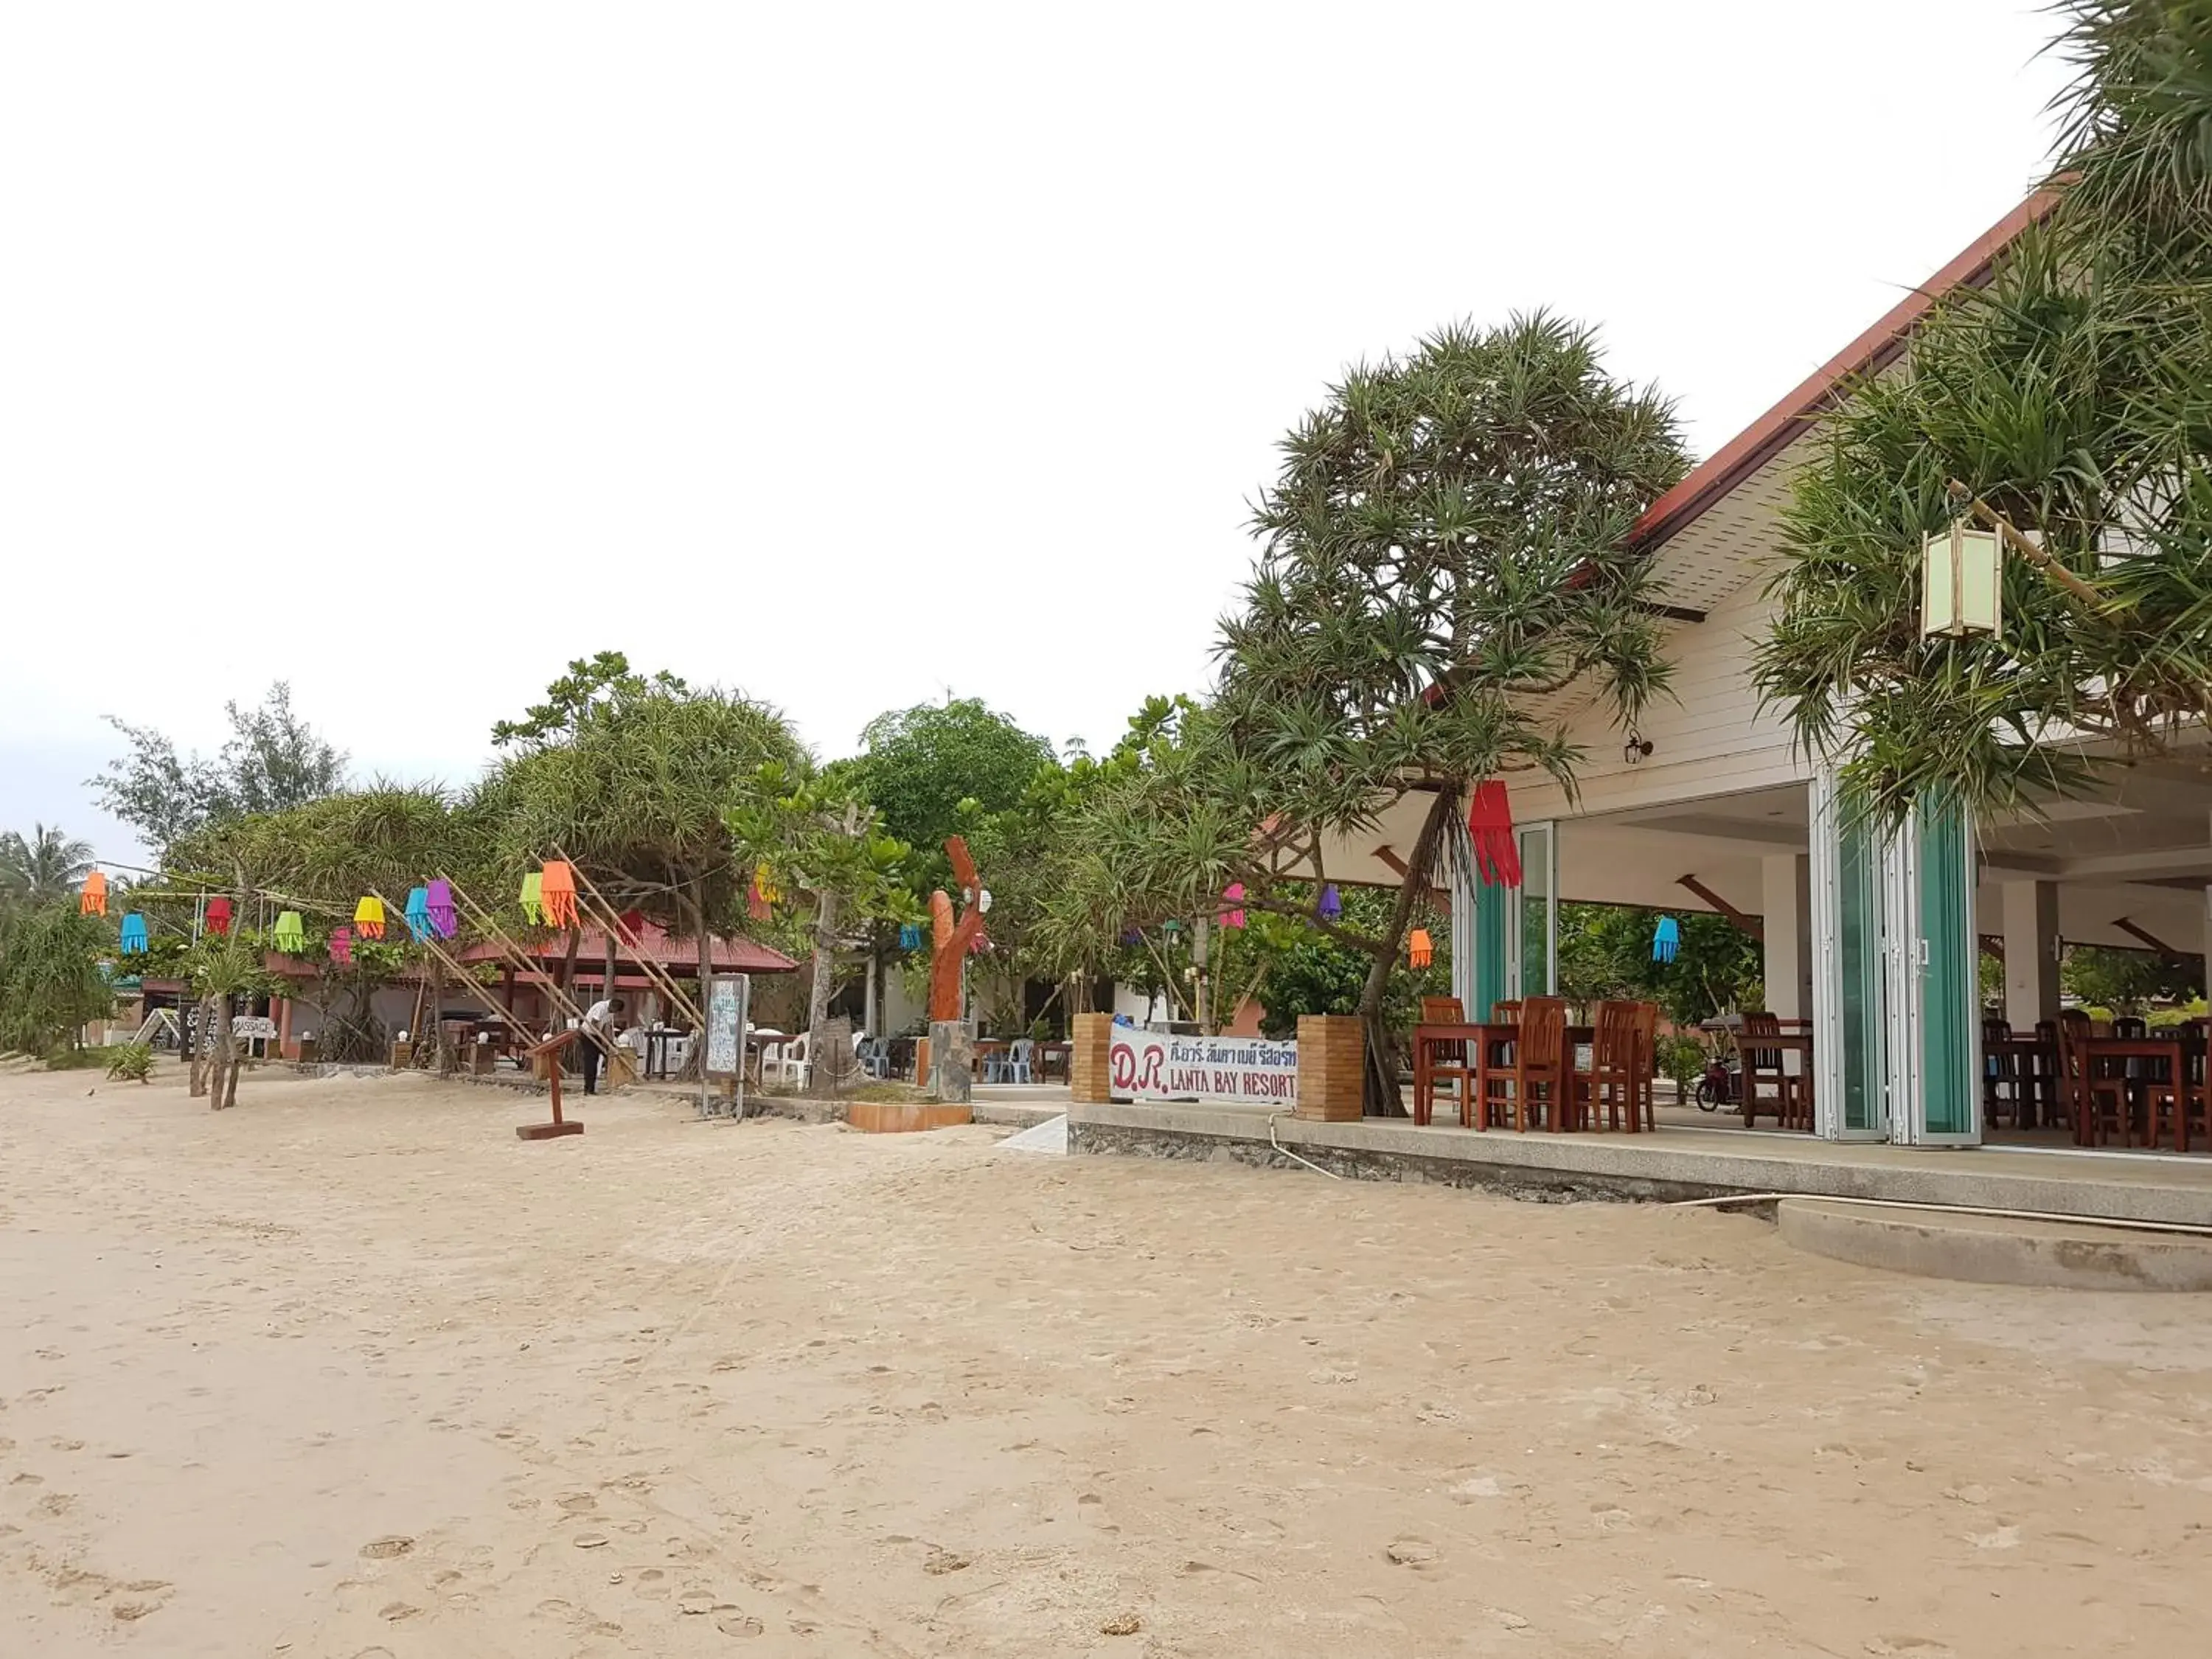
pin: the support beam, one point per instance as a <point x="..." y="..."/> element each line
<point x="1388" y="857"/>
<point x="2146" y="936"/>
<point x="1786" y="888"/>
<point x="2031" y="952"/>
<point x="1742" y="923"/>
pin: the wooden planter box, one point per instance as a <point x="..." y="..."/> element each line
<point x="900" y="1117"/>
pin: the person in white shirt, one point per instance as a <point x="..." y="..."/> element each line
<point x="599" y="1021"/>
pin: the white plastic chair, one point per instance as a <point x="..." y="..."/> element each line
<point x="1011" y="1064"/>
<point x="785" y="1061"/>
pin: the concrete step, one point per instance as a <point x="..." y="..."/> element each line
<point x="1997" y="1249"/>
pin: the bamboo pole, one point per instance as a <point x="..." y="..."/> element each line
<point x="515" y="955"/>
<point x="607" y="918"/>
<point x="2087" y="593"/>
<point x="460" y="973"/>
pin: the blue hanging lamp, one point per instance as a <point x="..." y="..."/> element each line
<point x="1332" y="902"/>
<point x="910" y="936"/>
<point x="417" y="913"/>
<point x="1666" y="939"/>
<point x="133" y="937"/>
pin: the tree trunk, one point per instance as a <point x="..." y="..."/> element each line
<point x="220" y="1090"/>
<point x="203" y="1050"/>
<point x="694" y="1063"/>
<point x="817" y="1003"/>
<point x="1201" y="940"/>
<point x="1383" y="1099"/>
<point x="568" y="964"/>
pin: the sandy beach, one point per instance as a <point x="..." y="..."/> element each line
<point x="350" y="1372"/>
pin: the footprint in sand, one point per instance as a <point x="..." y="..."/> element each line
<point x="739" y="1625"/>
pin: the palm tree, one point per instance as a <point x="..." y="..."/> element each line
<point x="49" y="865"/>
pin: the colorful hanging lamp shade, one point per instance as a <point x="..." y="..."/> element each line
<point x="133" y="935"/>
<point x="558" y="890"/>
<point x="341" y="946"/>
<point x="1170" y="927"/>
<point x="443" y="921"/>
<point x="1233" y="894"/>
<point x="368" y="918"/>
<point x="1490" y="826"/>
<point x="533" y="899"/>
<point x="92" y="897"/>
<point x="760" y="896"/>
<point x="1332" y="902"/>
<point x="632" y="924"/>
<point x="417" y="913"/>
<point x="218" y="916"/>
<point x="1666" y="939"/>
<point x="289" y="935"/>
<point x="1420" y="950"/>
<point x="910" y="936"/>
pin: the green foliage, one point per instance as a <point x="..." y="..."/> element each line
<point x="50" y="976"/>
<point x="43" y="867"/>
<point x="130" y="1062"/>
<point x="937" y="768"/>
<point x="2074" y="393"/>
<point x="2128" y="982"/>
<point x="1683" y="1058"/>
<point x="1605" y="953"/>
<point x="273" y="761"/>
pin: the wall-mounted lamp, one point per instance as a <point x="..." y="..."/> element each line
<point x="1633" y="752"/>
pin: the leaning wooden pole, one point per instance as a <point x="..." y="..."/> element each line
<point x="515" y="955"/>
<point x="604" y="913"/>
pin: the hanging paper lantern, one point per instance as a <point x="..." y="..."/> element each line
<point x="368" y="918"/>
<point x="558" y="890"/>
<point x="533" y="901"/>
<point x="1233" y="894"/>
<point x="443" y="921"/>
<point x="1332" y="902"/>
<point x="341" y="946"/>
<point x="218" y="916"/>
<point x="910" y="936"/>
<point x="760" y="896"/>
<point x="1666" y="939"/>
<point x="290" y="934"/>
<point x="92" y="897"/>
<point x="1419" y="950"/>
<point x="632" y="924"/>
<point x="1490" y="825"/>
<point x="417" y="913"/>
<point x="133" y="938"/>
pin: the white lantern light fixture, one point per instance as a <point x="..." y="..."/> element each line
<point x="1962" y="582"/>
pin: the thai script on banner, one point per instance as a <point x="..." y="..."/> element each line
<point x="1154" y="1065"/>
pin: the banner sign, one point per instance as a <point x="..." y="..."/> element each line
<point x="1154" y="1065"/>
<point x="251" y="1026"/>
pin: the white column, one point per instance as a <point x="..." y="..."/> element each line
<point x="2030" y="953"/>
<point x="1786" y="919"/>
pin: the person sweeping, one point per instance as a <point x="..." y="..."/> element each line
<point x="599" y="1029"/>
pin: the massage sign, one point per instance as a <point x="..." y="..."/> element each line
<point x="1247" y="1071"/>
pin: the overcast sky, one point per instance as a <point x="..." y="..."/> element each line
<point x="847" y="354"/>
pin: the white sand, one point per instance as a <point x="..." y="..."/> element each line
<point x="350" y="1371"/>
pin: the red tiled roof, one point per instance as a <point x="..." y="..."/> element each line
<point x="1757" y="443"/>
<point x="733" y="956"/>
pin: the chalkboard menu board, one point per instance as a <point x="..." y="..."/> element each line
<point x="727" y="998"/>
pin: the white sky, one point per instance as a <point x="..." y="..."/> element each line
<point x="847" y="353"/>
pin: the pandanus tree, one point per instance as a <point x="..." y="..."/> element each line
<point x="634" y="778"/>
<point x="2072" y="395"/>
<point x="1441" y="556"/>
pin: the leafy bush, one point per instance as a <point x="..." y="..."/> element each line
<point x="130" y="1062"/>
<point x="1683" y="1058"/>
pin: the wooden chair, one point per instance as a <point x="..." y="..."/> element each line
<point x="1506" y="1013"/>
<point x="1647" y="1067"/>
<point x="2096" y="1106"/>
<point x="1614" y="1083"/>
<point x="1767" y="1084"/>
<point x="2001" y="1078"/>
<point x="1446" y="1059"/>
<point x="1538" y="1077"/>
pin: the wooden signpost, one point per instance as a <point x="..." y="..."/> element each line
<point x="548" y="1053"/>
